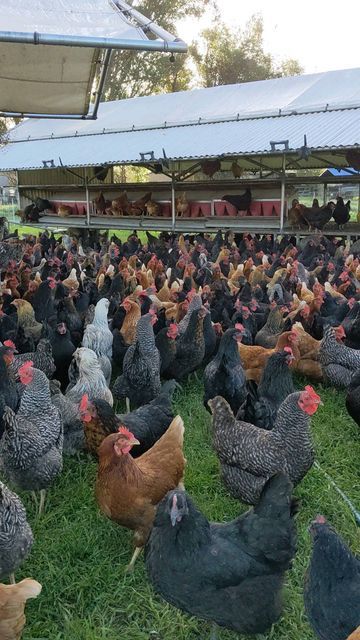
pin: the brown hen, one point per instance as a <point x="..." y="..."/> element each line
<point x="129" y="490"/>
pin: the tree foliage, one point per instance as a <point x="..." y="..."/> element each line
<point x="229" y="56"/>
<point x="141" y="74"/>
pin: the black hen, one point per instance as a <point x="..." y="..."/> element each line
<point x="341" y="213"/>
<point x="240" y="202"/>
<point x="352" y="400"/>
<point x="224" y="375"/>
<point x="332" y="585"/>
<point x="229" y="573"/>
<point x="149" y="422"/>
<point x="275" y="385"/>
<point x="62" y="350"/>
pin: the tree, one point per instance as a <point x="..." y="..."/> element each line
<point x="290" y="67"/>
<point x="2" y="127"/>
<point x="232" y="56"/>
<point x="139" y="74"/>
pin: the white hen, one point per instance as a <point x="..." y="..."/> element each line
<point x="91" y="378"/>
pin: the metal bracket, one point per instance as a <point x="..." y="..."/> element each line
<point x="274" y="144"/>
<point x="143" y="156"/>
<point x="48" y="164"/>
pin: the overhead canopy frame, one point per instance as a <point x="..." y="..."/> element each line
<point x="44" y="73"/>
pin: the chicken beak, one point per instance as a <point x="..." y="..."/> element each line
<point x="174" y="515"/>
<point x="134" y="442"/>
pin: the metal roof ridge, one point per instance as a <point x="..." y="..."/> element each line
<point x="270" y="114"/>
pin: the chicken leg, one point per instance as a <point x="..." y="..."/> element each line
<point x="130" y="567"/>
<point x="12" y="578"/>
<point x="213" y="634"/>
<point x="127" y="402"/>
<point x="42" y="501"/>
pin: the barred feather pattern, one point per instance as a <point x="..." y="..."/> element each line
<point x="195" y="303"/>
<point x="338" y="361"/>
<point x="141" y="368"/>
<point x="16" y="537"/>
<point x="42" y="359"/>
<point x="249" y="455"/>
<point x="32" y="443"/>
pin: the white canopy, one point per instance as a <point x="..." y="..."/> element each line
<point x="53" y="51"/>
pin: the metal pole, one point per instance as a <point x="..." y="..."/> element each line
<point x="173" y="211"/>
<point x="359" y="201"/>
<point x="51" y="39"/>
<point x="102" y="80"/>
<point x="282" y="206"/>
<point x="325" y="193"/>
<point x="87" y="200"/>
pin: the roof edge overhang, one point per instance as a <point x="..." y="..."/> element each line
<point x="291" y="156"/>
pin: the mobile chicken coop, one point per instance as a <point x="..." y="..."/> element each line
<point x="275" y="137"/>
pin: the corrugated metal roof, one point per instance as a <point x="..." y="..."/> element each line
<point x="102" y="142"/>
<point x="329" y="130"/>
<point x="307" y="93"/>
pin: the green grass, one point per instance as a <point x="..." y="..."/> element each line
<point x="79" y="556"/>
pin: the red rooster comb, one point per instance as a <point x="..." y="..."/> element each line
<point x="26" y="372"/>
<point x="320" y="519"/>
<point x="84" y="408"/>
<point x="288" y="350"/>
<point x="125" y="432"/>
<point x="312" y="393"/>
<point x="84" y="403"/>
<point x="239" y="326"/>
<point x="9" y="344"/>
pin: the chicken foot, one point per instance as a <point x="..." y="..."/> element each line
<point x="130" y="567"/>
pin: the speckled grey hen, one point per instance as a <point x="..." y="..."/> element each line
<point x="249" y="455"/>
<point x="338" y="362"/>
<point x="42" y="358"/>
<point x="16" y="537"/>
<point x="32" y="443"/>
<point x="140" y="381"/>
<point x="190" y="347"/>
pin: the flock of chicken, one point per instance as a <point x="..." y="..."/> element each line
<point x="251" y="311"/>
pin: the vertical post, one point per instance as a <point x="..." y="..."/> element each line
<point x="87" y="200"/>
<point x="325" y="193"/>
<point x="282" y="196"/>
<point x="17" y="196"/>
<point x="358" y="211"/>
<point x="173" y="211"/>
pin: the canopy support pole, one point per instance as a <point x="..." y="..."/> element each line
<point x="102" y="80"/>
<point x="87" y="200"/>
<point x="173" y="211"/>
<point x="282" y="197"/>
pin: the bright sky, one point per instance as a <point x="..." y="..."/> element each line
<point x="322" y="35"/>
